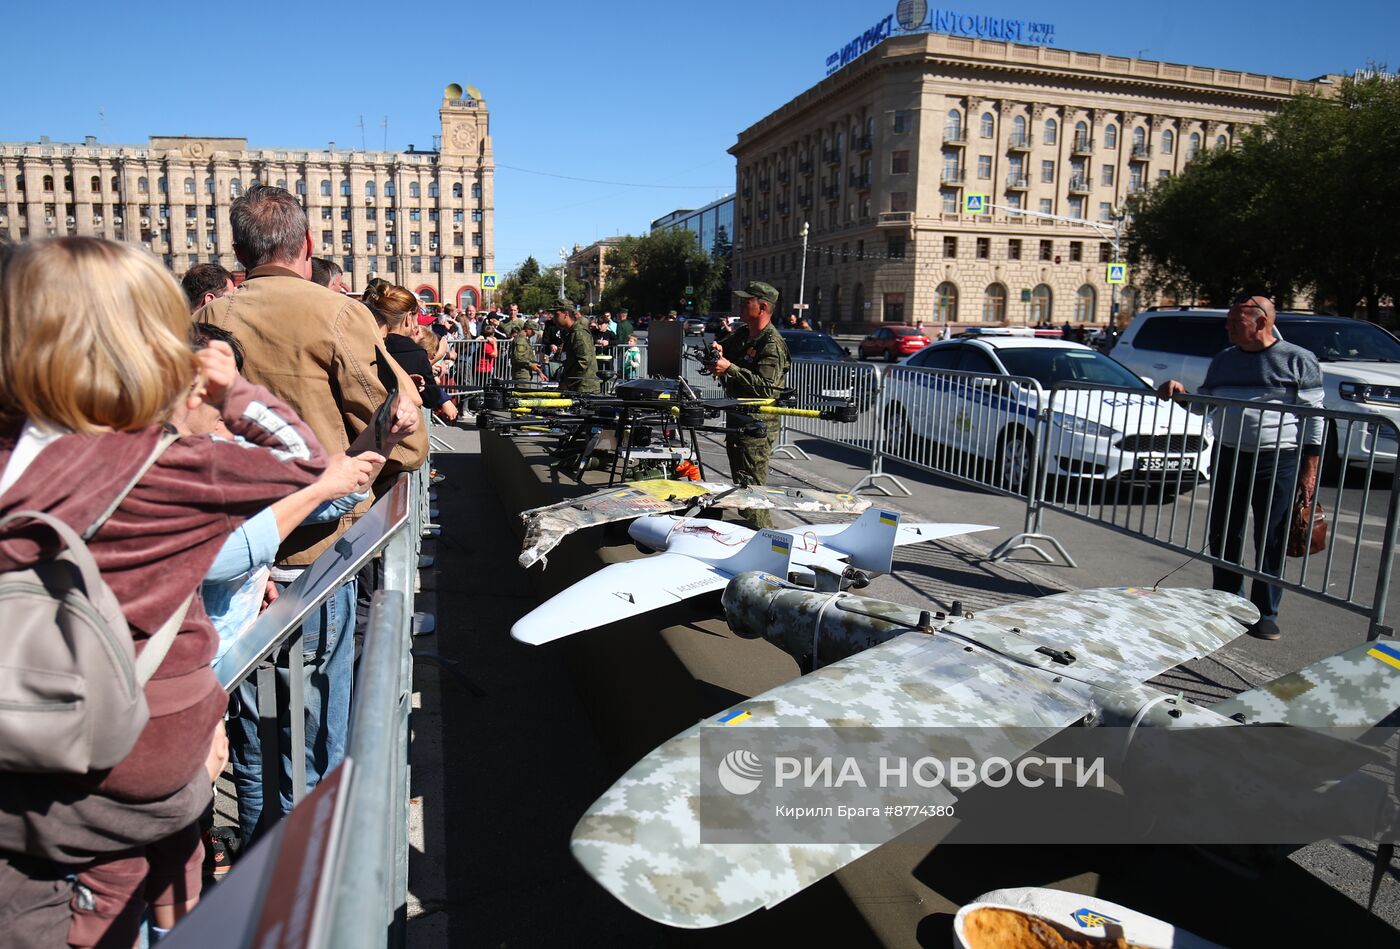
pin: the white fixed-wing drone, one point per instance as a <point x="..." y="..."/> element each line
<point x="698" y="555"/>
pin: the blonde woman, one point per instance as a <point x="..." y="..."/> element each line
<point x="93" y="358"/>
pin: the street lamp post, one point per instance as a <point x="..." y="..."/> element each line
<point x="802" y="281"/>
<point x="1115" y="233"/>
<point x="563" y="265"/>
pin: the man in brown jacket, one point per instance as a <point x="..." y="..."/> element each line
<point x="320" y="352"/>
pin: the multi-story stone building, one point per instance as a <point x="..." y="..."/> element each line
<point x="421" y="218"/>
<point x="589" y="266"/>
<point x="880" y="156"/>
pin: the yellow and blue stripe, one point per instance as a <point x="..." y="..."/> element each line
<point x="734" y="717"/>
<point x="888" y="518"/>
<point x="1387" y="653"/>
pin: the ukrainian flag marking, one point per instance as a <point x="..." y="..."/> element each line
<point x="1387" y="653"/>
<point x="781" y="545"/>
<point x="887" y="518"/>
<point x="734" y="717"/>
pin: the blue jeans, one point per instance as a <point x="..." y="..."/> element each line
<point x="328" y="655"/>
<point x="1271" y="498"/>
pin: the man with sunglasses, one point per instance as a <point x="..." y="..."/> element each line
<point x="1258" y="459"/>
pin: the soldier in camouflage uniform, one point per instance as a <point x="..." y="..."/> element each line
<point x="523" y="366"/>
<point x="753" y="363"/>
<point x="579" y="373"/>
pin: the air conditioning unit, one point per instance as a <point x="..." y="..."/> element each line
<point x="456" y="225"/>
<point x="208" y="245"/>
<point x="117" y="221"/>
<point x="189" y="245"/>
<point x="145" y="222"/>
<point x="413" y="248"/>
<point x="388" y="248"/>
<point x="368" y="201"/>
<point x="71" y="220"/>
<point x="388" y="225"/>
<point x="325" y="248"/>
<point x="48" y="218"/>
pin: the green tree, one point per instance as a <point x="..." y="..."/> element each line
<point x="1306" y="202"/>
<point x="649" y="274"/>
<point x="532" y="288"/>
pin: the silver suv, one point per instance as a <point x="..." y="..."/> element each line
<point x="1360" y="366"/>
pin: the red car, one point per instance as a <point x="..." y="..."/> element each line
<point x="893" y="342"/>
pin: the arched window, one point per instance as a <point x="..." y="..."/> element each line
<point x="1110" y="136"/>
<point x="189" y="186"/>
<point x="301" y="187"/>
<point x="142" y="186"/>
<point x="1081" y="135"/>
<point x="1086" y="304"/>
<point x="1221" y="141"/>
<point x="1018" y="130"/>
<point x="209" y="185"/>
<point x="945" y="303"/>
<point x="160" y="183"/>
<point x="96" y="183"/>
<point x="371" y="190"/>
<point x="994" y="303"/>
<point x="467" y="296"/>
<point x="1042" y="304"/>
<point x="414" y="190"/>
<point x="388" y="189"/>
<point x="48" y="182"/>
<point x="1052" y="131"/>
<point x="432" y="189"/>
<point x="457" y="189"/>
<point x="345" y="188"/>
<point x="989" y="125"/>
<point x="282" y="183"/>
<point x="1139" y="137"/>
<point x="235" y="187"/>
<point x="953" y="127"/>
<point x="858" y="303"/>
<point x="1168" y="141"/>
<point x="116" y="183"/>
<point x="1193" y="145"/>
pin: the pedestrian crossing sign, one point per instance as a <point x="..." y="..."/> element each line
<point x="975" y="204"/>
<point x="1117" y="274"/>
<point x="488" y="281"/>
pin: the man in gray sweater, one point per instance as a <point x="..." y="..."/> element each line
<point x="1258" y="464"/>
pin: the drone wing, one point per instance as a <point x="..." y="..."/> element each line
<point x="642" y="839"/>
<point x="546" y="526"/>
<point x="791" y="499"/>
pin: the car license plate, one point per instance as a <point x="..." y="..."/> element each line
<point x="1166" y="464"/>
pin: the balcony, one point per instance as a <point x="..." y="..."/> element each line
<point x="1016" y="182"/>
<point x="895" y="219"/>
<point x="1019" y="142"/>
<point x="865" y="143"/>
<point x="1083" y="145"/>
<point x="831" y="156"/>
<point x="805" y="166"/>
<point x="956" y="136"/>
<point x="1080" y="184"/>
<point x="832" y="193"/>
<point x="1142" y="152"/>
<point x="953" y="176"/>
<point x="764" y="185"/>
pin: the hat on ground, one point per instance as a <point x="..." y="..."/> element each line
<point x="760" y="290"/>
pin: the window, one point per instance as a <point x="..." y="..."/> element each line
<point x="432" y="189"/>
<point x="894" y="308"/>
<point x="457" y="216"/>
<point x="1110" y="136"/>
<point x="235" y="187"/>
<point x="1221" y="141"/>
<point x="189" y="185"/>
<point x="345" y="214"/>
<point x="1193" y="145"/>
<point x="457" y="189"/>
<point x="1085" y="304"/>
<point x="1047" y="171"/>
<point x="899" y="200"/>
<point x="1163" y="173"/>
<point x="1047" y="206"/>
<point x="1076" y="207"/>
<point x="325" y="187"/>
<point x="327" y="214"/>
<point x="345" y="188"/>
<point x="415" y="237"/>
<point x="415" y="264"/>
<point x="371" y="238"/>
<point x="388" y="189"/>
<point x="1139" y="137"/>
<point x="301" y="187"/>
<point x="1013" y="200"/>
<point x="899" y="163"/>
<point x="974" y="360"/>
<point x="371" y="214"/>
<point x="282" y="183"/>
<point x="952" y="127"/>
<point x="988" y="125"/>
<point x="327" y="237"/>
<point x="476" y="190"/>
<point x="1105" y="252"/>
<point x="1076" y="252"/>
<point x="903" y="122"/>
<point x="1052" y="131"/>
<point x="1047" y="250"/>
<point x="1081" y="135"/>
<point x="414" y="191"/>
<point x="1106" y="178"/>
<point x="372" y="263"/>
<point x="950" y="201"/>
<point x="1018" y="131"/>
<point x="476" y="239"/>
<point x="1168" y="141"/>
<point x="1042" y="304"/>
<point x="984" y="167"/>
<point x="161" y="185"/>
<point x="116" y="184"/>
<point x="415" y="215"/>
<point x="94" y="185"/>
<point x="984" y="248"/>
<point x="950" y="246"/>
<point x="476" y="216"/>
<point x="945" y="303"/>
<point x="994" y="303"/>
<point x="433" y="214"/>
<point x="1105" y="211"/>
<point x="937" y="357"/>
<point x="371" y="189"/>
<point x="1013" y="249"/>
<point x="457" y="239"/>
<point x="141" y="185"/>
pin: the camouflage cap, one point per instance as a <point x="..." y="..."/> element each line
<point x="760" y="290"/>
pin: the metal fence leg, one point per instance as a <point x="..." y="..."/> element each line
<point x="296" y="705"/>
<point x="1035" y="492"/>
<point x="786" y="445"/>
<point x="269" y="742"/>
<point x="876" y="478"/>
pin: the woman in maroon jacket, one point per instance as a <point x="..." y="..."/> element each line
<point x="93" y="356"/>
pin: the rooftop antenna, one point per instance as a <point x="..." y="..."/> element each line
<point x="363" y="146"/>
<point x="1141" y="51"/>
<point x="386" y="133"/>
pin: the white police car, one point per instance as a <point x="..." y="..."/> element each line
<point x="1091" y="434"/>
<point x="1360" y="368"/>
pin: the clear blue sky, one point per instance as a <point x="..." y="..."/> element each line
<point x="640" y="93"/>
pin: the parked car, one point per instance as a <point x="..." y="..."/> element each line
<point x="1101" y="436"/>
<point x="1360" y="367"/>
<point x="892" y="343"/>
<point x="694" y="327"/>
<point x="807" y="344"/>
<point x="811" y="346"/>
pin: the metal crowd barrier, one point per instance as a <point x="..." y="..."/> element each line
<point x="1176" y="488"/>
<point x="472" y="367"/>
<point x="839" y="380"/>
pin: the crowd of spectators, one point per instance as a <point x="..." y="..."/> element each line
<point x="243" y="421"/>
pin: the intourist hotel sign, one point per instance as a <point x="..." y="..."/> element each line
<point x="913" y="16"/>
